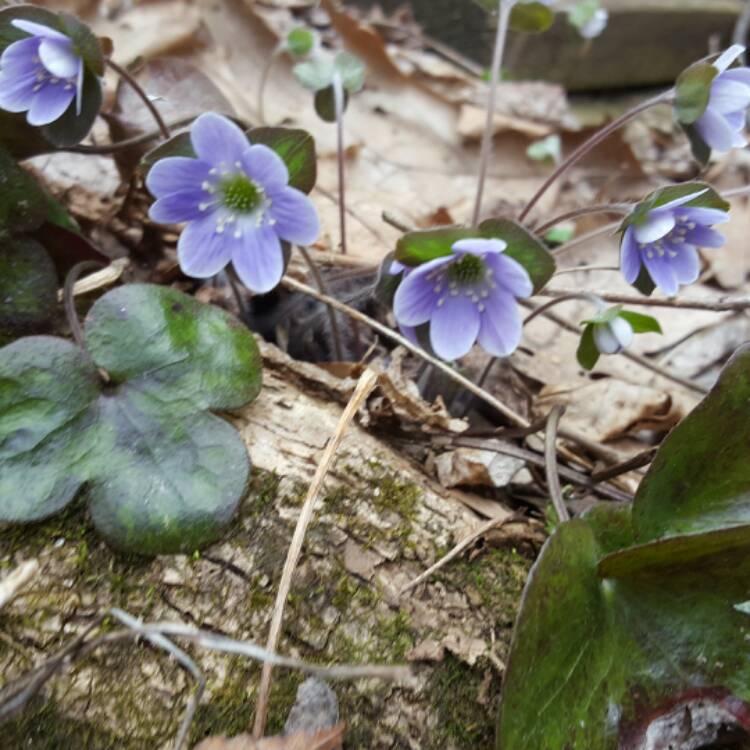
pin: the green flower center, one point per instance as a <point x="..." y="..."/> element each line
<point x="469" y="269"/>
<point x="240" y="193"/>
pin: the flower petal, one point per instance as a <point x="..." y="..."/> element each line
<point x="703" y="236"/>
<point x="266" y="167"/>
<point x="37" y="29"/>
<point x="728" y="95"/>
<point x="174" y="208"/>
<point x="201" y="251"/>
<point x="605" y="339"/>
<point x="727" y="57"/>
<point x="416" y="298"/>
<point x="657" y="224"/>
<point x="662" y="273"/>
<point x="741" y="75"/>
<point x="176" y="174"/>
<point x="686" y="265"/>
<point x="630" y="257"/>
<point x="18" y="58"/>
<point x="623" y="331"/>
<point x="218" y="140"/>
<point x="717" y="133"/>
<point x="454" y="327"/>
<point x="16" y="94"/>
<point x="705" y="216"/>
<point x="259" y="260"/>
<point x="410" y="334"/>
<point x="510" y="275"/>
<point x="295" y="216"/>
<point x="50" y="103"/>
<point x="479" y="246"/>
<point x="501" y="328"/>
<point x="58" y="57"/>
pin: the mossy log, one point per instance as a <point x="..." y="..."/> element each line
<point x="381" y="523"/>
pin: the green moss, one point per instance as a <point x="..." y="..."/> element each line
<point x="47" y="728"/>
<point x="453" y="690"/>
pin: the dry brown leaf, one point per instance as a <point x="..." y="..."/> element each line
<point x="465" y="467"/>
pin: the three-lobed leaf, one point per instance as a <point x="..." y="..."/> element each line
<point x="162" y="473"/>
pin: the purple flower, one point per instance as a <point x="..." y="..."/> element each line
<point x="466" y="297"/>
<point x="41" y="74"/>
<point x="237" y="202"/>
<point x="666" y="243"/>
<point x="721" y="126"/>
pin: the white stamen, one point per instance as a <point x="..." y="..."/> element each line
<point x="481" y="307"/>
<point x="237" y="233"/>
<point x="202" y="206"/>
<point x="441" y="302"/>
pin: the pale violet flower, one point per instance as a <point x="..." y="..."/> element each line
<point x="722" y="125"/>
<point x="467" y="296"/>
<point x="666" y="243"/>
<point x="236" y="200"/>
<point x="613" y="336"/>
<point x="41" y="74"/>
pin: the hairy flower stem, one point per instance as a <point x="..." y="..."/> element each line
<point x="126" y="76"/>
<point x="504" y="9"/>
<point x="69" y="301"/>
<point x="338" y="94"/>
<point x="264" y="76"/>
<point x="586" y="296"/>
<point x="592" y="143"/>
<point x="609" y="208"/>
<point x="318" y="279"/>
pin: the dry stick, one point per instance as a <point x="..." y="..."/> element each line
<point x="642" y="361"/>
<point x="596" y="449"/>
<point x="590" y="144"/>
<point x="125" y="75"/>
<point x="479" y="532"/>
<point x="575" y="269"/>
<point x="642" y="459"/>
<point x="366" y="383"/>
<point x="610" y="208"/>
<point x="730" y="305"/>
<point x="160" y="641"/>
<point x="335" y="330"/>
<point x="504" y="10"/>
<point x="550" y="461"/>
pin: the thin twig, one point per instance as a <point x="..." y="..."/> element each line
<point x="389" y="218"/>
<point x="509" y="449"/>
<point x="335" y="331"/>
<point x="464" y="544"/>
<point x="590" y="144"/>
<point x="69" y="301"/>
<point x="642" y="361"/>
<point x="160" y="641"/>
<point x="488" y="398"/>
<point x="550" y="461"/>
<point x="126" y="76"/>
<point x="721" y="305"/>
<point x="642" y="459"/>
<point x="338" y="95"/>
<point x="366" y="383"/>
<point x="504" y="9"/>
<point x="542" y="309"/>
<point x="609" y="208"/>
<point x="592" y="235"/>
<point x="576" y="269"/>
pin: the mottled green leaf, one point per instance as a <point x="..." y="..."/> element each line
<point x="422" y="246"/>
<point x="296" y="148"/>
<point x="700" y="478"/>
<point x="163" y="474"/>
<point x="28" y="289"/>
